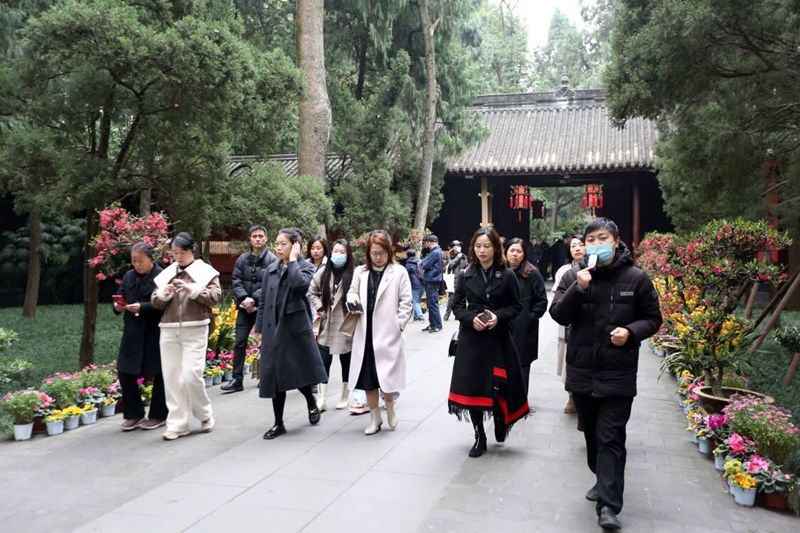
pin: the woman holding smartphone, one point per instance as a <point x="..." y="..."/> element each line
<point x="327" y="294"/>
<point x="186" y="290"/>
<point x="139" y="354"/>
<point x="487" y="377"/>
<point x="381" y="293"/>
<point x="290" y="357"/>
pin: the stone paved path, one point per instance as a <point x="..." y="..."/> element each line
<point x="332" y="478"/>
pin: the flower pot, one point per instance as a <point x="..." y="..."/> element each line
<point x="72" y="422"/>
<point x="39" y="425"/>
<point x="55" y="428"/>
<point x="715" y="404"/>
<point x="228" y="376"/>
<point x="108" y="410"/>
<point x="745" y="497"/>
<point x="89" y="417"/>
<point x="775" y="500"/>
<point x="718" y="462"/>
<point x="694" y="437"/>
<point x="703" y="446"/>
<point x="209" y="380"/>
<point x="23" y="431"/>
<point x="217" y="379"/>
<point x="730" y="484"/>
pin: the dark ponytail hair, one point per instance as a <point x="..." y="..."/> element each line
<point x="292" y="234"/>
<point x="184" y="241"/>
<point x="525" y="268"/>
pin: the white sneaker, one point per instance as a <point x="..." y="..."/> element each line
<point x="208" y="425"/>
<point x="172" y="435"/>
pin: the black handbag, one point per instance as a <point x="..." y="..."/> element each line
<point x="451" y="350"/>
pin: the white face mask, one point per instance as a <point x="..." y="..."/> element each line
<point x="457" y="249"/>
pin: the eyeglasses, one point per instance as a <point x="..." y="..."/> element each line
<point x="378" y="254"/>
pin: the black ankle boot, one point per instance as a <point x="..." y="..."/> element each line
<point x="480" y="444"/>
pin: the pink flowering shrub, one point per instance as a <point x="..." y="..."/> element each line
<point x="119" y="230"/>
<point x="767" y="425"/>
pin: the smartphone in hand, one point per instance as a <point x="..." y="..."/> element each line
<point x="354" y="307"/>
<point x="119" y="300"/>
<point x="486" y="316"/>
<point x="592" y="261"/>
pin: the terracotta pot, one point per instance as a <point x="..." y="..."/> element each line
<point x="715" y="404"/>
<point x="775" y="500"/>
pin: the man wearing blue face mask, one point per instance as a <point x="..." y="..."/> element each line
<point x="611" y="307"/>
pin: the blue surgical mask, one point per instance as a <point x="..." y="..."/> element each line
<point x="604" y="252"/>
<point x="338" y="260"/>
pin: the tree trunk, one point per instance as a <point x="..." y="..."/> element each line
<point x="90" y="295"/>
<point x="34" y="264"/>
<point x="315" y="108"/>
<point x="554" y="213"/>
<point x="145" y="200"/>
<point x="429" y="134"/>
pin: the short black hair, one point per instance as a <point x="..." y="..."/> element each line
<point x="256" y="227"/>
<point x="601" y="223"/>
<point x="411" y="252"/>
<point x="184" y="241"/>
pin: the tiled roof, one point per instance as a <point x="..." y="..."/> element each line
<point x="554" y="133"/>
<point x="336" y="167"/>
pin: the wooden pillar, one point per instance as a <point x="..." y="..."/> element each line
<point x="486" y="216"/>
<point x="635" y="227"/>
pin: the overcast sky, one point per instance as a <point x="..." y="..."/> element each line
<point x="537" y="15"/>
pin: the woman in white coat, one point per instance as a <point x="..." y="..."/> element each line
<point x="378" y="363"/>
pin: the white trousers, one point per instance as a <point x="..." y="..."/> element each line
<point x="183" y="359"/>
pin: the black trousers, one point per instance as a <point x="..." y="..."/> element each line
<point x="526" y="376"/>
<point x="132" y="406"/>
<point x="244" y="324"/>
<point x="604" y="421"/>
<point x="327" y="360"/>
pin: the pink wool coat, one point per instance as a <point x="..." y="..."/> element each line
<point x="392" y="311"/>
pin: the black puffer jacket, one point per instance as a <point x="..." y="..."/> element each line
<point x="619" y="295"/>
<point x="248" y="273"/>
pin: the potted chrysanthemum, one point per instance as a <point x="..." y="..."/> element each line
<point x="55" y="422"/>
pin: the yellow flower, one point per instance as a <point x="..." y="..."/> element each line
<point x="745" y="481"/>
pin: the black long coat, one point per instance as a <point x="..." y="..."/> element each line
<point x="619" y="295"/>
<point x="289" y="354"/>
<point x="487" y="359"/>
<point x="525" y="327"/>
<point x="139" y="353"/>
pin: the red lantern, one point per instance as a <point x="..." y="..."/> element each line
<point x="592" y="198"/>
<point x="520" y="199"/>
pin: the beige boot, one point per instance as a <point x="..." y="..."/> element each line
<point x="321" y="397"/>
<point x="391" y="414"/>
<point x="375" y="421"/>
<point x="569" y="408"/>
<point x="345" y="399"/>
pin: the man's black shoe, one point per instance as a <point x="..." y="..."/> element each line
<point x="427" y="328"/>
<point x="313" y="416"/>
<point x="434" y="330"/>
<point x="233" y="386"/>
<point x="275" y="431"/>
<point x="591" y="494"/>
<point x="607" y="519"/>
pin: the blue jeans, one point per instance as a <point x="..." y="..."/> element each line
<point x="432" y="295"/>
<point x="416" y="294"/>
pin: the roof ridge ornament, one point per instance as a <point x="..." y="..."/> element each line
<point x="565" y="91"/>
